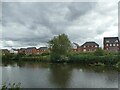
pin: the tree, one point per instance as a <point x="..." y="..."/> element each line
<point x="60" y="46"/>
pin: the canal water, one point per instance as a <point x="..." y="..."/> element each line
<point x="44" y="75"/>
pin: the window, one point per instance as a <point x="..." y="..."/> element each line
<point x="113" y="44"/>
<point x="117" y="44"/>
<point x="116" y="41"/>
<point x="107" y="41"/>
<point x="84" y="50"/>
<point x="95" y="45"/>
<point x="84" y="46"/>
<point x="106" y="44"/>
<point x="110" y="44"/>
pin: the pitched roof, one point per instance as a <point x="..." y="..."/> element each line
<point x="76" y="44"/>
<point x="29" y="48"/>
<point x="43" y="48"/>
<point x="90" y="43"/>
<point x="14" y="49"/>
<point x="111" y="39"/>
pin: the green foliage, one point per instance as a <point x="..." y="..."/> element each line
<point x="99" y="52"/>
<point x="39" y="58"/>
<point x="45" y="54"/>
<point x="10" y="86"/>
<point x="60" y="47"/>
<point x="93" y="59"/>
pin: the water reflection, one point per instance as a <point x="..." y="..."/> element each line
<point x="60" y="75"/>
<point x="40" y="75"/>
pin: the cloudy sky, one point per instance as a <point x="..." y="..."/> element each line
<point x="27" y="24"/>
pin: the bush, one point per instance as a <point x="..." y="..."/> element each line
<point x="92" y="59"/>
<point x="99" y="52"/>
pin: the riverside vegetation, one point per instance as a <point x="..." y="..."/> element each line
<point x="109" y="59"/>
<point x="61" y="52"/>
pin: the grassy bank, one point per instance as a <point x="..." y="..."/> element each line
<point x="111" y="59"/>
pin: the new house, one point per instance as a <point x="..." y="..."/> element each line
<point x="89" y="46"/>
<point x="15" y="51"/>
<point x="43" y="50"/>
<point x="31" y="50"/>
<point x="76" y="47"/>
<point x="111" y="44"/>
<point x="21" y="51"/>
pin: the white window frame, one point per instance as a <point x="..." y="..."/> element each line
<point x="110" y="45"/>
<point x="114" y="45"/>
<point x="84" y="50"/>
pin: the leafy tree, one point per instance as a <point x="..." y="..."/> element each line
<point x="60" y="47"/>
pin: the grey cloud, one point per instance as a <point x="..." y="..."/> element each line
<point x="35" y="23"/>
<point x="77" y="10"/>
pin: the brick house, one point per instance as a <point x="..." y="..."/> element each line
<point x="111" y="44"/>
<point x="89" y="46"/>
<point x="21" y="51"/>
<point x="31" y="50"/>
<point x="76" y="47"/>
<point x="43" y="50"/>
<point x="15" y="51"/>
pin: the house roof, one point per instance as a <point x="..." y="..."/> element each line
<point x="90" y="43"/>
<point x="22" y="49"/>
<point x="43" y="48"/>
<point x="76" y="44"/>
<point x="29" y="48"/>
<point x="14" y="49"/>
<point x="111" y="39"/>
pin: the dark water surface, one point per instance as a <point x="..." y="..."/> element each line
<point x="44" y="75"/>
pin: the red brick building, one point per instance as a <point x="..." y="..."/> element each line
<point x="111" y="44"/>
<point x="31" y="50"/>
<point x="43" y="50"/>
<point x="21" y="51"/>
<point x="76" y="47"/>
<point x="89" y="46"/>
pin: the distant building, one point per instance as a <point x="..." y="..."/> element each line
<point x="111" y="44"/>
<point x="89" y="46"/>
<point x="31" y="50"/>
<point x="15" y="51"/>
<point x="21" y="51"/>
<point x="76" y="47"/>
<point x="43" y="50"/>
<point x="5" y="51"/>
